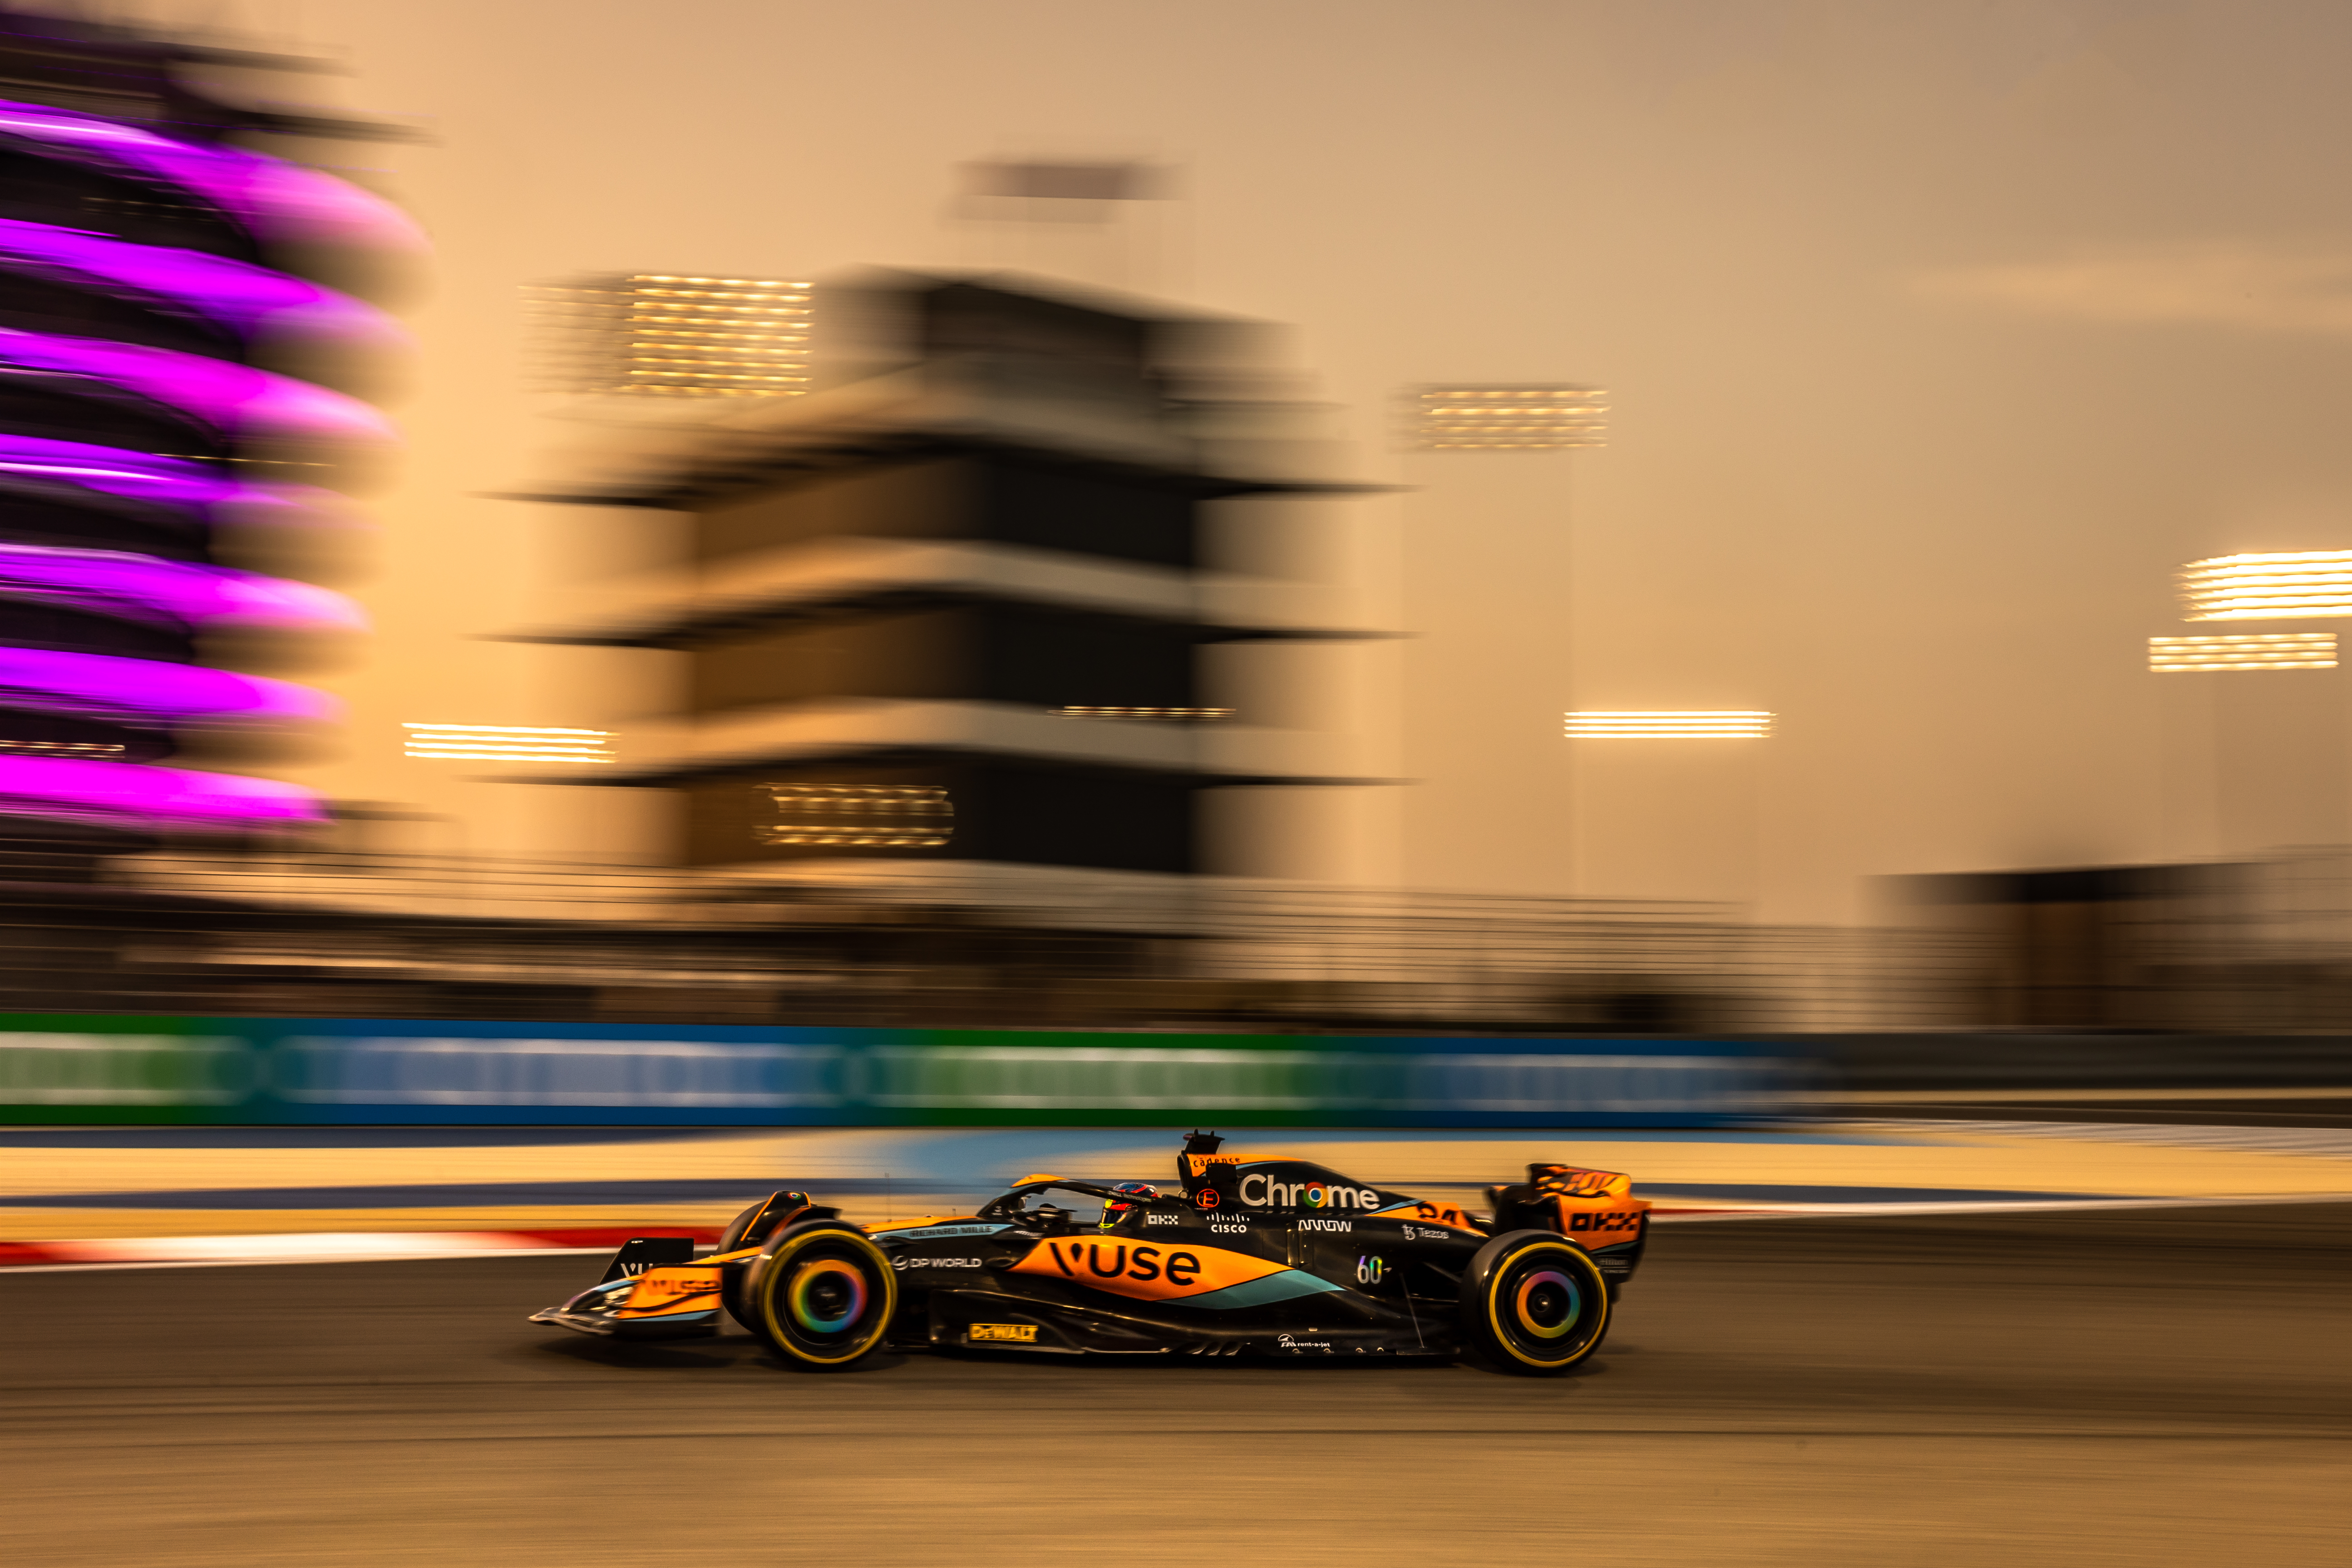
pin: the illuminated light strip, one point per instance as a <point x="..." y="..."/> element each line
<point x="660" y="313"/>
<point x="795" y="835"/>
<point x="797" y="803"/>
<point x="118" y="583"/>
<point x="268" y="196"/>
<point x="235" y="399"/>
<point x="109" y="686"/>
<point x="1081" y="712"/>
<point x="73" y="789"/>
<point x="198" y="488"/>
<point x="700" y="372"/>
<point x="678" y="340"/>
<point x="2284" y="650"/>
<point x="1673" y="724"/>
<point x="1507" y="418"/>
<point x="248" y="299"/>
<point x="669" y="335"/>
<point x="507" y="744"/>
<point x="721" y="282"/>
<point x="2269" y="587"/>
<point x="500" y="757"/>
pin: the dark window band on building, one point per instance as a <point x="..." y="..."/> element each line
<point x="1000" y="531"/>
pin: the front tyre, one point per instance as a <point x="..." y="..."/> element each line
<point x="822" y="1295"/>
<point x="750" y="1228"/>
<point x="1533" y="1304"/>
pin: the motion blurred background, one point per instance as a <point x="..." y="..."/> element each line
<point x="1887" y="367"/>
<point x="607" y="607"/>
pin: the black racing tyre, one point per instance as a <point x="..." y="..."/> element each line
<point x="821" y="1294"/>
<point x="1533" y="1303"/>
<point x="750" y="1228"/>
<point x="731" y="1238"/>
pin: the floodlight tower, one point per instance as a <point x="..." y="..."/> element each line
<point x="2255" y="765"/>
<point x="1500" y="823"/>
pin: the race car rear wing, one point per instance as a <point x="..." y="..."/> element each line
<point x="1595" y="1209"/>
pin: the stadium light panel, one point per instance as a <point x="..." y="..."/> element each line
<point x="2268" y="587"/>
<point x="864" y="816"/>
<point x="2285" y="650"/>
<point x="1548" y="418"/>
<point x="1678" y="725"/>
<point x="505" y="743"/>
<point x="673" y="335"/>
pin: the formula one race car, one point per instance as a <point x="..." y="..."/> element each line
<point x="1256" y="1255"/>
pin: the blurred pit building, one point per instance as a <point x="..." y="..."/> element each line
<point x="946" y="617"/>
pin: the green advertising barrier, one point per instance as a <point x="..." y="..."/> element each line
<point x="293" y="1071"/>
<point x="77" y="1068"/>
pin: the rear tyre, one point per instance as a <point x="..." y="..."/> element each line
<point x="1533" y="1304"/>
<point x="821" y="1294"/>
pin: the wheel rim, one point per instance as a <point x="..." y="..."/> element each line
<point x="1547" y="1306"/>
<point x="826" y="1299"/>
<point x="828" y="1295"/>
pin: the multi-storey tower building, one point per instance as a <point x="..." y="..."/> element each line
<point x="952" y="606"/>
<point x="176" y="367"/>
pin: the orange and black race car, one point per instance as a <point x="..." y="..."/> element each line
<point x="1250" y="1255"/>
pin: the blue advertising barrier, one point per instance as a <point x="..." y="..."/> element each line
<point x="97" y="1070"/>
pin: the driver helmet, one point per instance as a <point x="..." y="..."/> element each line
<point x="1115" y="1211"/>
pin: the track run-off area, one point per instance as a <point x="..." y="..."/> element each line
<point x="2141" y="1385"/>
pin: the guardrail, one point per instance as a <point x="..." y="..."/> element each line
<point x="90" y="1068"/>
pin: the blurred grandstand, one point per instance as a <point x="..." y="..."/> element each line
<point x="2261" y="947"/>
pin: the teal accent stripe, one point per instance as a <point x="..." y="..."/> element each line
<point x="1282" y="1287"/>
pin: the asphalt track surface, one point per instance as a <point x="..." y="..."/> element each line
<point x="2138" y="1386"/>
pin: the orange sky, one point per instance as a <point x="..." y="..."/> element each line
<point x="1937" y="335"/>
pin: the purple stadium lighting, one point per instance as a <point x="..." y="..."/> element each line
<point x="140" y="587"/>
<point x="148" y="691"/>
<point x="234" y="399"/>
<point x="248" y="300"/>
<point x="269" y="196"/>
<point x="207" y="494"/>
<point x="73" y="500"/>
<point x="130" y="794"/>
